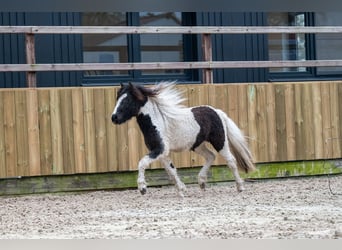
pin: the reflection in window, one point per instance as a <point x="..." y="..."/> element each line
<point x="161" y="47"/>
<point x="104" y="48"/>
<point x="286" y="46"/>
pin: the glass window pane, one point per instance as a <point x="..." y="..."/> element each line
<point x="161" y="47"/>
<point x="286" y="46"/>
<point x="105" y="48"/>
<point x="328" y="46"/>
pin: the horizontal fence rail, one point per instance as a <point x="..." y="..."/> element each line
<point x="207" y="65"/>
<point x="169" y="29"/>
<point x="167" y="65"/>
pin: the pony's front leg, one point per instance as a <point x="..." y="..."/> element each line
<point x="143" y="164"/>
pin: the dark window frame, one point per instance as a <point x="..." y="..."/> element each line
<point x="190" y="50"/>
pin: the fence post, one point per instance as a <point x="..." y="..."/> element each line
<point x="207" y="57"/>
<point x="31" y="76"/>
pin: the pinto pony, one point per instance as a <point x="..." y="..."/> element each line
<point x="168" y="126"/>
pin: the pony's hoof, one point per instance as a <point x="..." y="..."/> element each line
<point x="202" y="186"/>
<point x="240" y="188"/>
<point x="143" y="191"/>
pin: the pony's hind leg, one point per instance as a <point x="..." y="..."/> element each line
<point x="231" y="161"/>
<point x="172" y="172"/>
<point x="209" y="157"/>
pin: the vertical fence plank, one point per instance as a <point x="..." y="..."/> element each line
<point x="339" y="84"/>
<point x="67" y="130"/>
<point x="45" y="132"/>
<point x="21" y="115"/>
<point x="111" y="131"/>
<point x="290" y="122"/>
<point x="100" y="130"/>
<point x="271" y="122"/>
<point x="252" y="127"/>
<point x="261" y="122"/>
<point x="78" y="130"/>
<point x="3" y="172"/>
<point x="281" y="122"/>
<point x="317" y="120"/>
<point x="89" y="129"/>
<point x="10" y="134"/>
<point x="326" y="118"/>
<point x="308" y="131"/>
<point x="335" y="120"/>
<point x="56" y="132"/>
<point x="33" y="131"/>
<point x="232" y="98"/>
<point x="299" y="120"/>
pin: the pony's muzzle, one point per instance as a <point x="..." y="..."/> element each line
<point x="115" y="119"/>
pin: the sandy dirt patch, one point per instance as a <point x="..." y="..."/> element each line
<point x="287" y="208"/>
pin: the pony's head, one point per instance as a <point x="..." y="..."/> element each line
<point x="130" y="99"/>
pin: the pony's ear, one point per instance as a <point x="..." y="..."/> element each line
<point x="121" y="84"/>
<point x="137" y="92"/>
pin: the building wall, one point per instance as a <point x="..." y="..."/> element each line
<point x="49" y="49"/>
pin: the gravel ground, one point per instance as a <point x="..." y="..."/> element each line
<point x="272" y="209"/>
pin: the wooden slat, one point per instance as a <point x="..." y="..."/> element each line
<point x="167" y="65"/>
<point x="340" y="112"/>
<point x="169" y="29"/>
<point x="317" y="121"/>
<point x="335" y="120"/>
<point x="290" y="109"/>
<point x="100" y="129"/>
<point x="23" y="167"/>
<point x="261" y="123"/>
<point x="89" y="129"/>
<point x="10" y="134"/>
<point x="299" y="122"/>
<point x="67" y="131"/>
<point x="112" y="157"/>
<point x="308" y="130"/>
<point x="281" y="122"/>
<point x="78" y="130"/>
<point x="271" y="122"/>
<point x="3" y="172"/>
<point x="56" y="132"/>
<point x="252" y="127"/>
<point x="33" y="132"/>
<point x="45" y="132"/>
<point x="326" y="118"/>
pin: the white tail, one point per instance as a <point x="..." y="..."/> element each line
<point x="238" y="146"/>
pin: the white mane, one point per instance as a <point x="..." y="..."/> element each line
<point x="169" y="100"/>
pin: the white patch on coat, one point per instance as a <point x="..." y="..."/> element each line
<point x="118" y="103"/>
<point x="175" y="122"/>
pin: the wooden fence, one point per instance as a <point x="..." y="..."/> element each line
<point x="68" y="130"/>
<point x="31" y="67"/>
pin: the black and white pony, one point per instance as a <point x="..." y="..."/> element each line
<point x="168" y="126"/>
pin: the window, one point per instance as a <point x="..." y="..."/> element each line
<point x="122" y="48"/>
<point x="287" y="46"/>
<point x="328" y="46"/>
